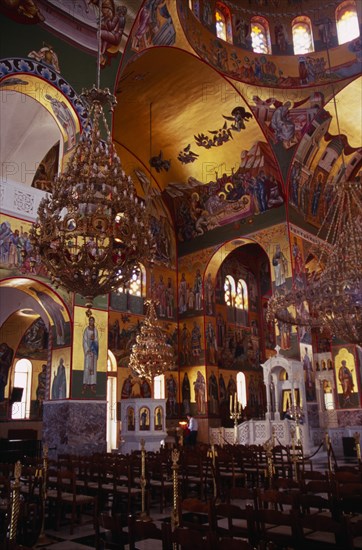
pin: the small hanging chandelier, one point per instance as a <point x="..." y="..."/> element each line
<point x="151" y="355"/>
<point x="93" y="231"/>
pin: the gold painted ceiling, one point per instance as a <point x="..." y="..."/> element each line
<point x="178" y="86"/>
<point x="168" y="96"/>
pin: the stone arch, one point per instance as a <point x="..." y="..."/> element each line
<point x="28" y="300"/>
<point x="32" y="92"/>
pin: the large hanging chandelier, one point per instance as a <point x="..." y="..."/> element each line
<point x="93" y="230"/>
<point x="331" y="299"/>
<point x="151" y="355"/>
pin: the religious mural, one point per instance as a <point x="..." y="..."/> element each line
<point x="255" y="389"/>
<point x="312" y="192"/>
<point x="47" y="169"/>
<point x="6" y="359"/>
<point x="217" y="138"/>
<point x="248" y="191"/>
<point x="267" y="70"/>
<point x="163" y="292"/>
<point x="213" y="392"/>
<point x="16" y="250"/>
<point x="144" y="419"/>
<point x="213" y="340"/>
<point x="34" y="343"/>
<point x="160" y="224"/>
<point x="134" y="387"/>
<point x="185" y="393"/>
<point x="39" y="376"/>
<point x="153" y="27"/>
<point x="287" y="122"/>
<point x="346" y="378"/>
<point x="90" y="359"/>
<point x="172" y="395"/>
<point x="114" y="20"/>
<point x="306" y="357"/>
<point x="191" y="343"/>
<point x="24" y="11"/>
<point x="57" y="313"/>
<point x="158" y="419"/>
<point x="60" y="374"/>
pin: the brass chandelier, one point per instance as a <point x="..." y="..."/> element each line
<point x="93" y="231"/>
<point x="331" y="299"/>
<point x="151" y="355"/>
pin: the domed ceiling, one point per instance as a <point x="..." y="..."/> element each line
<point x="198" y="120"/>
<point x="171" y="102"/>
<point x="195" y="111"/>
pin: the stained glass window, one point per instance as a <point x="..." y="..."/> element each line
<point x="241" y="298"/>
<point x="302" y="35"/>
<point x="235" y="295"/>
<point x="229" y="290"/>
<point x="260" y="35"/>
<point x="223" y="23"/>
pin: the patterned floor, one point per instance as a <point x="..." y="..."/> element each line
<point x="84" y="537"/>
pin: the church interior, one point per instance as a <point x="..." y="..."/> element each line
<point x="180" y="252"/>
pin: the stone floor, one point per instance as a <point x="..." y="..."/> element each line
<point x="84" y="536"/>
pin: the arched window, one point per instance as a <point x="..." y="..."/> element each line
<point x="241" y="388"/>
<point x="137" y="284"/>
<point x="236" y="295"/>
<point x="22" y="379"/>
<point x="302" y="35"/>
<point x="229" y="290"/>
<point x="260" y="35"/>
<point x="241" y="297"/>
<point x="347" y="22"/>
<point x="223" y="23"/>
<point x="159" y="386"/>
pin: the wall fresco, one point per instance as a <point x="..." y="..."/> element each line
<point x="249" y="191"/>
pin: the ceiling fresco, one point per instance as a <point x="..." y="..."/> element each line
<point x="77" y="23"/>
<point x="175" y="111"/>
<point x="203" y="119"/>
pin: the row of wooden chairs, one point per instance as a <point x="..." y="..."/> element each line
<point x="118" y="533"/>
<point x="265" y="528"/>
<point x="283" y="518"/>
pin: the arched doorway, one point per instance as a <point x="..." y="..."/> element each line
<point x="35" y="326"/>
<point x="239" y="276"/>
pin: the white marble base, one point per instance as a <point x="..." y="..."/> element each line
<point x="151" y="430"/>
